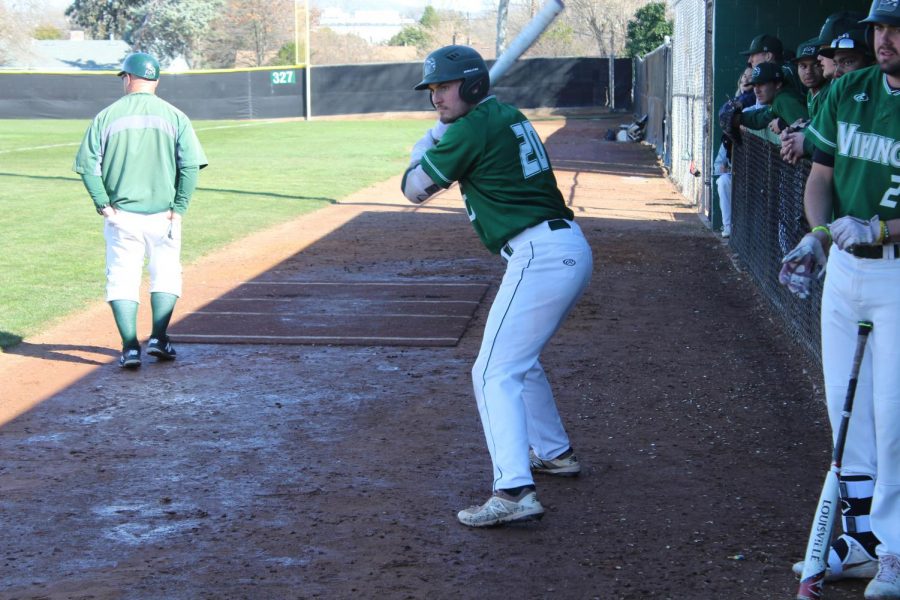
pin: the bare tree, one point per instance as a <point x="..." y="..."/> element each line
<point x="16" y="23"/>
<point x="252" y="29"/>
<point x="606" y="21"/>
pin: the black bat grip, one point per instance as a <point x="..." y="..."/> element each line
<point x="862" y="335"/>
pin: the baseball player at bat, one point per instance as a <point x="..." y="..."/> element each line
<point x="139" y="161"/>
<point x="513" y="202"/>
<point x="851" y="203"/>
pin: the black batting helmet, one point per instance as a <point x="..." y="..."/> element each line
<point x="457" y="62"/>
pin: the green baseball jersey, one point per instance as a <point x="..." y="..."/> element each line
<point x="136" y="145"/>
<point x="813" y="101"/>
<point x="787" y="104"/>
<point x="503" y="170"/>
<point x="859" y="124"/>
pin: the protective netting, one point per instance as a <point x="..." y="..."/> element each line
<point x="688" y="91"/>
<point x="651" y="98"/>
<point x="768" y="221"/>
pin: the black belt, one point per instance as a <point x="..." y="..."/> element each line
<point x="876" y="251"/>
<point x="554" y="225"/>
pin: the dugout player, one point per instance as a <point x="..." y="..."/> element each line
<point x="139" y="161"/>
<point x="848" y="52"/>
<point x="851" y="203"/>
<point x="784" y="105"/>
<point x="512" y="200"/>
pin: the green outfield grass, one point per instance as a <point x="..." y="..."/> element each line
<point x="260" y="174"/>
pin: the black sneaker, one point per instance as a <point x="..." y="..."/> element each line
<point x="130" y="359"/>
<point x="161" y="349"/>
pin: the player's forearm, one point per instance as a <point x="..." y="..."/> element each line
<point x="185" y="184"/>
<point x="757" y="119"/>
<point x="95" y="188"/>
<point x="818" y="198"/>
<point x="417" y="186"/>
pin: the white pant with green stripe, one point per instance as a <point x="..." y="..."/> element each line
<point x="546" y="273"/>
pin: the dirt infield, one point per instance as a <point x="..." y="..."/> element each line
<point x="330" y="471"/>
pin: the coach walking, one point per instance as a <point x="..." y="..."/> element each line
<point x="139" y="161"/>
<point x="854" y="184"/>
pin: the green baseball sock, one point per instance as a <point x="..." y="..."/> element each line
<point x="125" y="314"/>
<point x="162" y="306"/>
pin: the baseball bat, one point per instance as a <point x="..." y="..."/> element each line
<point x="528" y="36"/>
<point x="815" y="560"/>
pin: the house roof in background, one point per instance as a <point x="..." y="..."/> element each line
<point x="70" y="55"/>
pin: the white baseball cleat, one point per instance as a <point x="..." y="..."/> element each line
<point x="857" y="564"/>
<point x="501" y="508"/>
<point x="886" y="585"/>
<point x="566" y="464"/>
<point x="726" y="231"/>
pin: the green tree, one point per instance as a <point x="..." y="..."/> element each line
<point x="648" y="29"/>
<point x="430" y="18"/>
<point x="103" y="19"/>
<point x="165" y="28"/>
<point x="411" y="36"/>
<point x="47" y="32"/>
<point x="286" y="55"/>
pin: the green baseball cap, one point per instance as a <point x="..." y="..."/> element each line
<point x="764" y="43"/>
<point x="807" y="50"/>
<point x="141" y="64"/>
<point x="766" y="72"/>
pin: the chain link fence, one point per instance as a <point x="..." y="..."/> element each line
<point x="652" y="74"/>
<point x="768" y="221"/>
<point x="689" y="85"/>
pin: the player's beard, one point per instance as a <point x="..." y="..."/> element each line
<point x="888" y="58"/>
<point x="889" y="63"/>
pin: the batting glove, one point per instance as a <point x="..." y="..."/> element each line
<point x="850" y="231"/>
<point x="802" y="265"/>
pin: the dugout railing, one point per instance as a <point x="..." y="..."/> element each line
<point x="768" y="221"/>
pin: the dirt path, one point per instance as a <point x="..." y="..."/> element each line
<point x="253" y="471"/>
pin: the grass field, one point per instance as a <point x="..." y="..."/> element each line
<point x="259" y="174"/>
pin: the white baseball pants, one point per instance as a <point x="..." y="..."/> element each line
<point x="723" y="184"/>
<point x="546" y="273"/>
<point x="129" y="238"/>
<point x="858" y="289"/>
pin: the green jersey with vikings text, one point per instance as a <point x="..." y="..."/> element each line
<point x="136" y="145"/>
<point x="859" y="124"/>
<point x="503" y="170"/>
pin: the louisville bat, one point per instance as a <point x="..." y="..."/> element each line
<point x="815" y="561"/>
<point x="528" y="36"/>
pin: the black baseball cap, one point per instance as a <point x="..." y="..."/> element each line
<point x="766" y="72"/>
<point x="765" y="43"/>
<point x="855" y="39"/>
<point x="838" y="23"/>
<point x="807" y="50"/>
